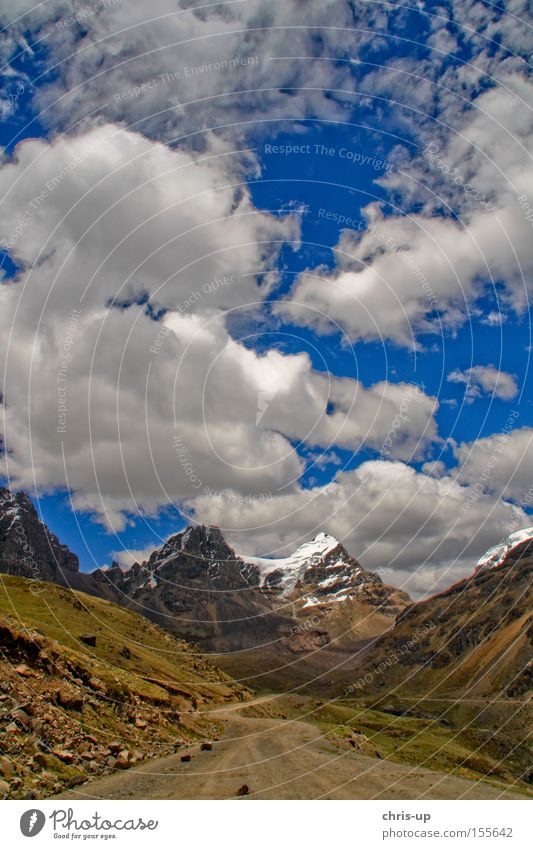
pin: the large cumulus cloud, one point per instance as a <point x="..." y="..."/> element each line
<point x="122" y="381"/>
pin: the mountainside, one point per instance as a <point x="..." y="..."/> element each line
<point x="285" y="573"/>
<point x="321" y="573"/>
<point x="87" y="687"/>
<point x="196" y="586"/>
<point x="463" y="657"/>
<point x="475" y="637"/>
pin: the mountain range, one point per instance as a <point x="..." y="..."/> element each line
<point x="313" y="614"/>
<point x="196" y="586"/>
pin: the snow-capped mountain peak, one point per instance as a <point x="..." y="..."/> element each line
<point x="321" y="575"/>
<point x="292" y="569"/>
<point x="496" y="555"/>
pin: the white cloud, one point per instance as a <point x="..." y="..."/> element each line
<point x="110" y="217"/>
<point x="167" y="67"/>
<point x="128" y="556"/>
<point x="501" y="464"/>
<point x="435" y="468"/>
<point x="391" y="280"/>
<point x="376" y="290"/>
<point x="485" y="380"/>
<point x="108" y="214"/>
<point x="415" y="269"/>
<point x="96" y="395"/>
<point x="494" y="319"/>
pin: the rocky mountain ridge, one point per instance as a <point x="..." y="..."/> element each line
<point x="474" y="639"/>
<point x="199" y="580"/>
<point x="498" y="554"/>
<point x="315" y="604"/>
<point x="27" y="547"/>
<point x="197" y="587"/>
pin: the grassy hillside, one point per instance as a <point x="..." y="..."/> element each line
<point x="463" y="660"/>
<point x="87" y="687"/>
<point x="474" y="639"/>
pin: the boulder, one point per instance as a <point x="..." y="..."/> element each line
<point x="37" y="725"/>
<point x="69" y="699"/>
<point x="63" y="755"/>
<point x="4" y="788"/>
<point x="243" y="790"/>
<point x="23" y="670"/>
<point x="185" y="758"/>
<point x="6" y="767"/>
<point x="88" y="639"/>
<point x="123" y="760"/>
<point x="21" y="718"/>
<point x="206" y="746"/>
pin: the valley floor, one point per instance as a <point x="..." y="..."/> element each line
<point x="280" y="759"/>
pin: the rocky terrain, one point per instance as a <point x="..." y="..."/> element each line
<point x="196" y="586"/>
<point x="280" y="748"/>
<point x="475" y="638"/>
<point x="89" y="688"/>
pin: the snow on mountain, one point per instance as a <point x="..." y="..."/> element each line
<point x="497" y="554"/>
<point x="293" y="568"/>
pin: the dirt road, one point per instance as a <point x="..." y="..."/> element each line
<point x="279" y="759"/>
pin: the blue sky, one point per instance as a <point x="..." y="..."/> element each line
<point x="300" y="157"/>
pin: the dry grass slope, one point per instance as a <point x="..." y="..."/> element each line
<point x="88" y="687"/>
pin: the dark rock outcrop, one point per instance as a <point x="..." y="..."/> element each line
<point x="196" y="586"/>
<point x="28" y="548"/>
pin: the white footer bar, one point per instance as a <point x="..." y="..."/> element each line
<point x="267" y="824"/>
